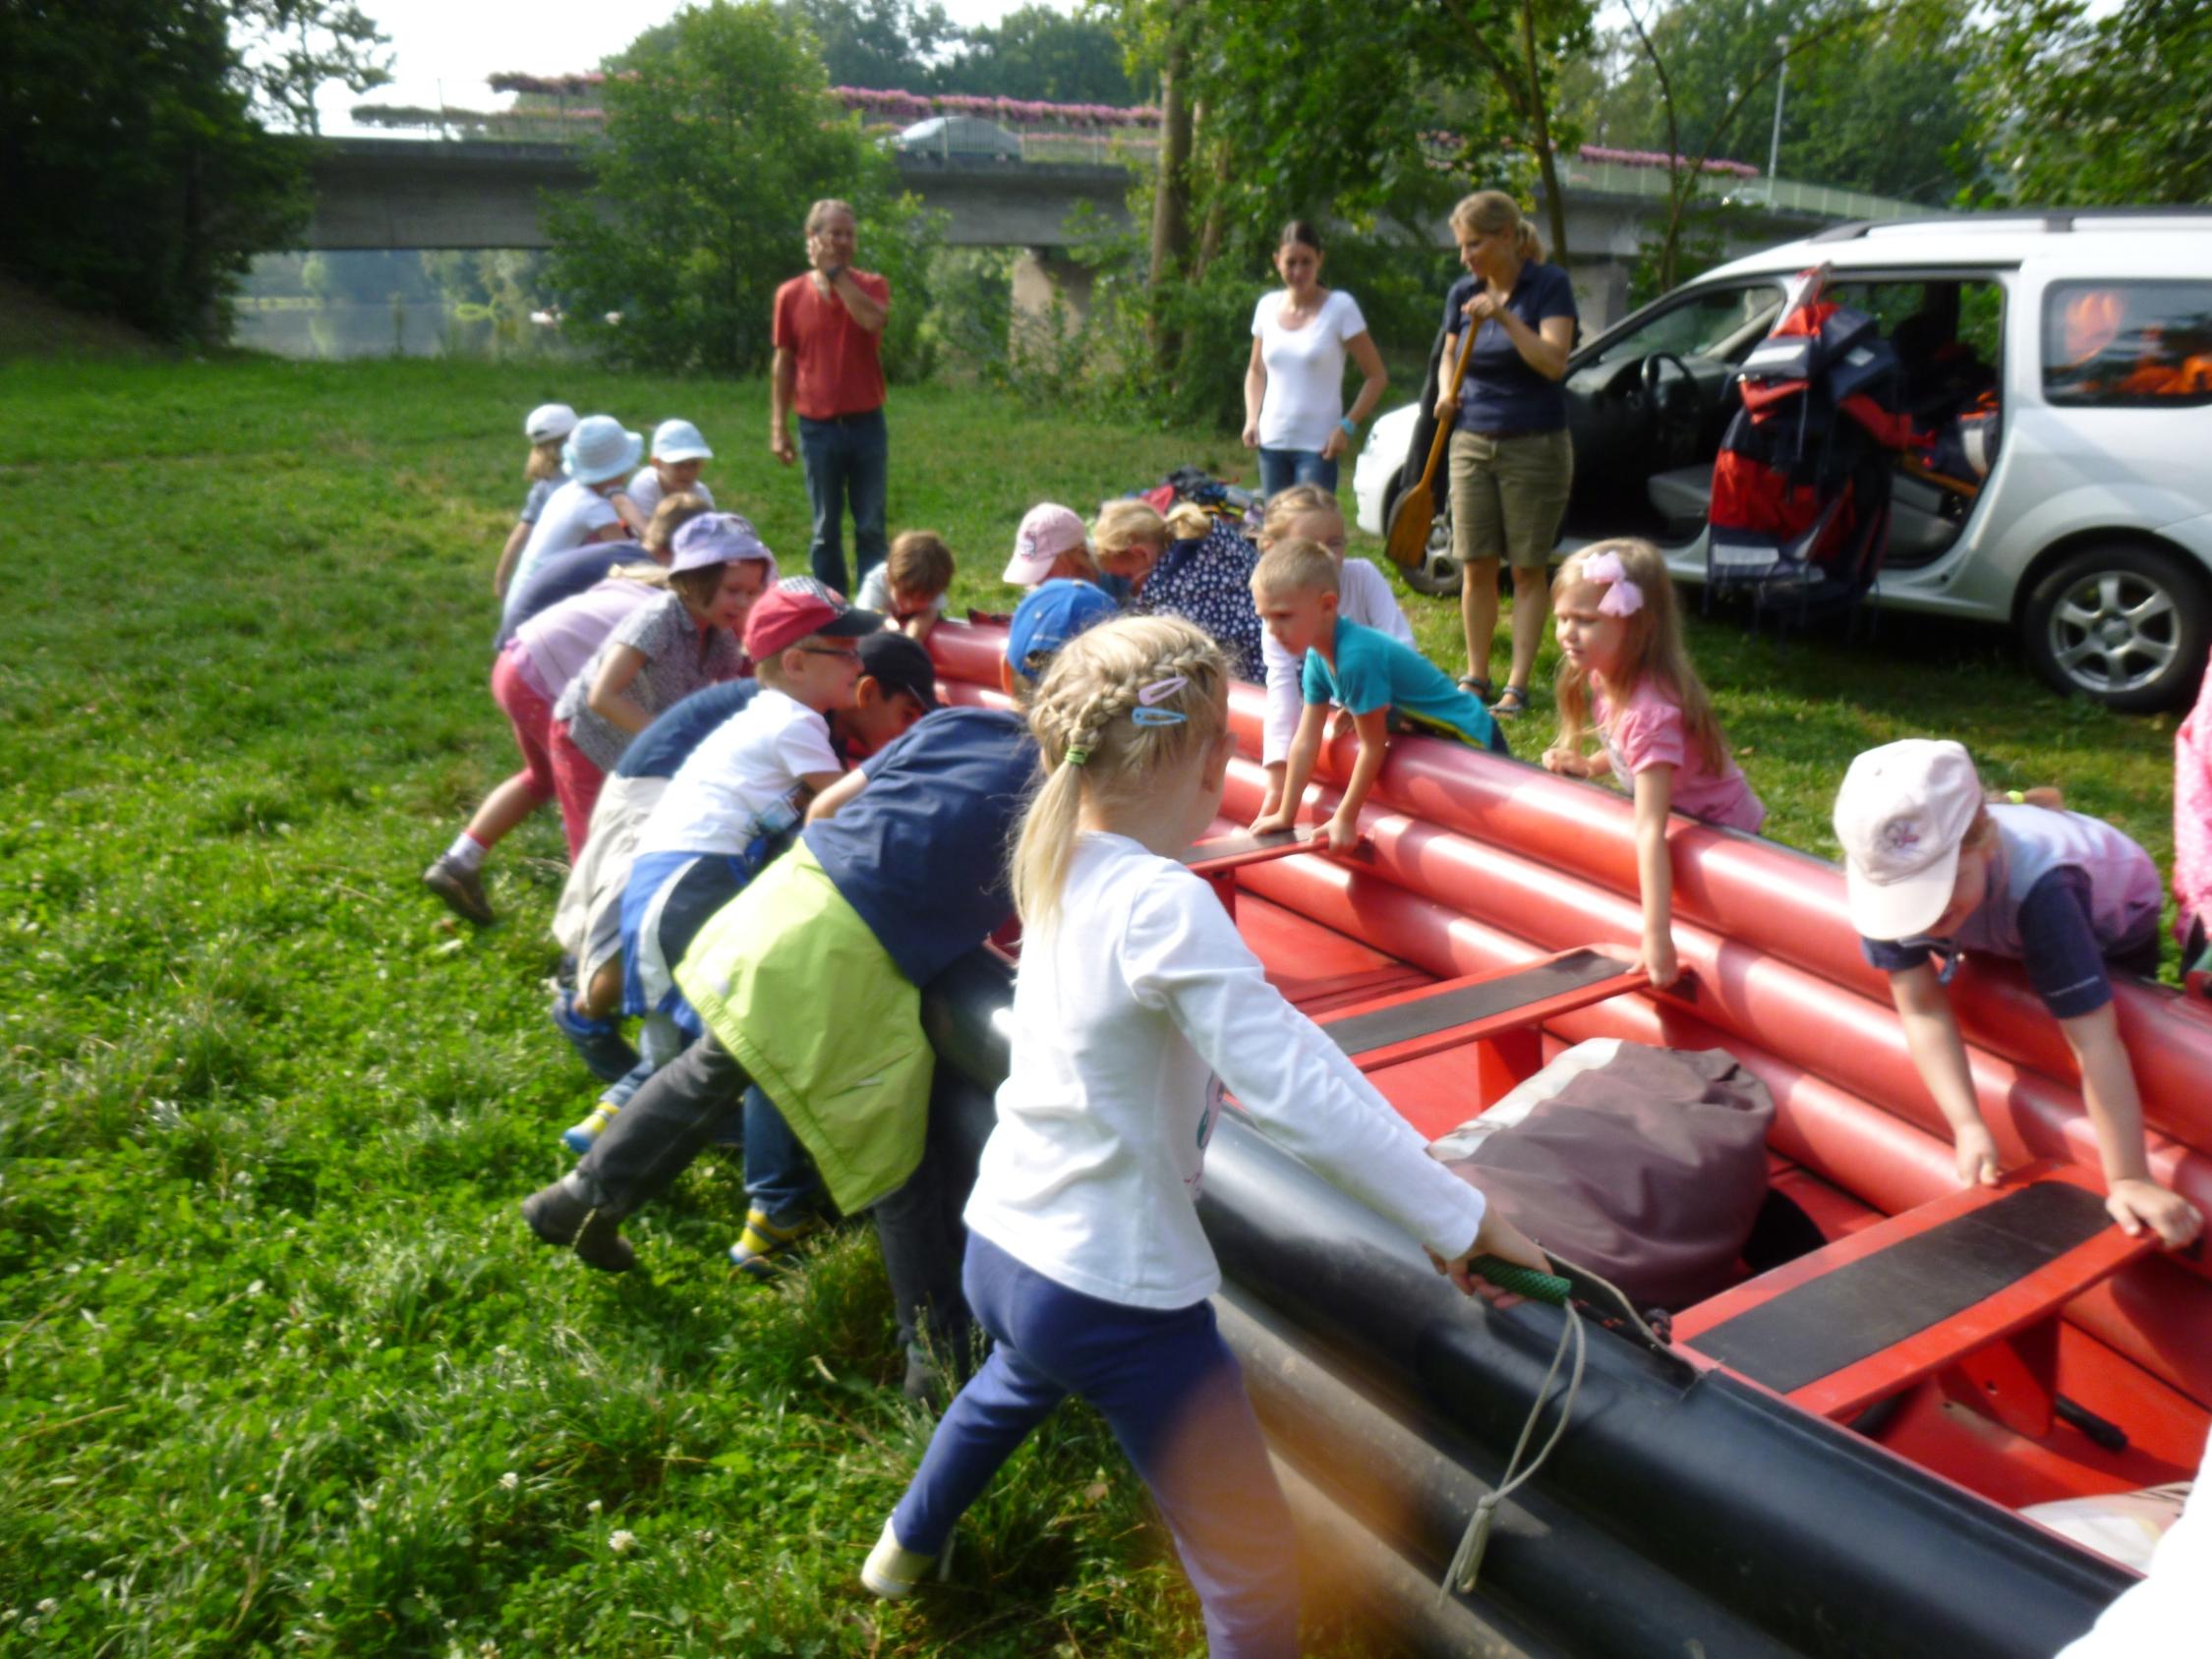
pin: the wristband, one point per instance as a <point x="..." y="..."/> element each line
<point x="1350" y="425"/>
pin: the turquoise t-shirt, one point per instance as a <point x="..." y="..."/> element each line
<point x="1375" y="671"/>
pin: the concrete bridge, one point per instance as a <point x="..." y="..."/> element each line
<point x="374" y="194"/>
<point x="410" y="193"/>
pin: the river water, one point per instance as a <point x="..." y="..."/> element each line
<point x="343" y="328"/>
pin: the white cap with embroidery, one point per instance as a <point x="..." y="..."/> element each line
<point x="1902" y="815"/>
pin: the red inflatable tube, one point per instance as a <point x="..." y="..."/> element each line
<point x="2156" y="1313"/>
<point x="1760" y="895"/>
<point x="1782" y="903"/>
<point x="1848" y="1039"/>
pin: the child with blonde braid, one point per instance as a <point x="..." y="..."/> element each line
<point x="1135" y="1005"/>
<point x="1624" y="669"/>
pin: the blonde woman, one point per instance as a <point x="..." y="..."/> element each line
<point x="1511" y="461"/>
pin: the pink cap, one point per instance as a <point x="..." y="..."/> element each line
<point x="1902" y="815"/>
<point x="1047" y="531"/>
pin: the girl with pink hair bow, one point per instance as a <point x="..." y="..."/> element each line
<point x="1625" y="678"/>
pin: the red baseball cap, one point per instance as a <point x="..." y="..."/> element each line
<point x="799" y="605"/>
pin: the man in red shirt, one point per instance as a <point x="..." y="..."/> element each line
<point x="829" y="324"/>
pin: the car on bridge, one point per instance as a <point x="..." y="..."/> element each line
<point x="959" y="138"/>
<point x="2091" y="534"/>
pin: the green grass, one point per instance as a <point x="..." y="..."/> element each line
<point x="283" y="1373"/>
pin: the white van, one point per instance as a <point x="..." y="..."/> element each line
<point x="2092" y="329"/>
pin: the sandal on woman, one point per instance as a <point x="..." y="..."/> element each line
<point x="1478" y="685"/>
<point x="1513" y="699"/>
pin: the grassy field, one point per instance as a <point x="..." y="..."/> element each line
<point x="283" y="1372"/>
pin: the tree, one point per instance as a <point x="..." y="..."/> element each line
<point x="720" y="132"/>
<point x="1367" y="121"/>
<point x="1036" y="52"/>
<point x="141" y="176"/>
<point x="878" y="43"/>
<point x="1873" y="99"/>
<point x="2080" y="109"/>
<point x="1874" y="79"/>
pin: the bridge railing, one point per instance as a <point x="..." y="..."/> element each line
<point x="1785" y="196"/>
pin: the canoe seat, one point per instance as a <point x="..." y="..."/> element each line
<point x="1219" y="853"/>
<point x="1498" y="1014"/>
<point x="1952" y="1287"/>
<point x="1218" y="858"/>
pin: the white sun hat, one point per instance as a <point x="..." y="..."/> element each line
<point x="680" y="441"/>
<point x="600" y="448"/>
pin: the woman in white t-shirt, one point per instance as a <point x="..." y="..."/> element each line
<point x="1294" y="391"/>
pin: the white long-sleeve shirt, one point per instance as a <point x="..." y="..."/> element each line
<point x="1130" y="1013"/>
<point x="1364" y="596"/>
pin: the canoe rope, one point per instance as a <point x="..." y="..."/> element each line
<point x="1467" y="1559"/>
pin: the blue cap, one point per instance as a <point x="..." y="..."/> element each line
<point x="1049" y="615"/>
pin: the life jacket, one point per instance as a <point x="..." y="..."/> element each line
<point x="1801" y="487"/>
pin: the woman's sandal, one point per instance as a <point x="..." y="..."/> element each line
<point x="1513" y="699"/>
<point x="1478" y="685"/>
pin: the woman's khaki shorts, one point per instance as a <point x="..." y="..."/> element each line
<point x="1508" y="495"/>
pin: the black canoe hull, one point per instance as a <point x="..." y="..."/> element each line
<point x="1682" y="1511"/>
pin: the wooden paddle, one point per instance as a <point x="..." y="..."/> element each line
<point x="1407" y="533"/>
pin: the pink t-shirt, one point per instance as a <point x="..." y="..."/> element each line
<point x="560" y="640"/>
<point x="1647" y="731"/>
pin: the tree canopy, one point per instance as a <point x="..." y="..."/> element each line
<point x="2077" y="108"/>
<point x="720" y="134"/>
<point x="1872" y="96"/>
<point x="141" y="176"/>
<point x="1035" y="51"/>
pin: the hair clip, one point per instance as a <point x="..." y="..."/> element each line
<point x="1624" y="598"/>
<point x="1157" y="716"/>
<point x="1075" y="756"/>
<point x="1159" y="690"/>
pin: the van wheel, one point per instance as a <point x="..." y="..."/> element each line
<point x="2121" y="624"/>
<point x="1437" y="572"/>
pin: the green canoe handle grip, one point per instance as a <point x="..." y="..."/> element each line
<point x="1523" y="1281"/>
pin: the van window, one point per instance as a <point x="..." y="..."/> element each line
<point x="1718" y="322"/>
<point x="2132" y="345"/>
<point x="1945" y="331"/>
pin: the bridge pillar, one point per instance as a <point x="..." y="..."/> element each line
<point x="1051" y="300"/>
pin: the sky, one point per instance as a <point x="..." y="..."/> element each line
<point x="442" y="50"/>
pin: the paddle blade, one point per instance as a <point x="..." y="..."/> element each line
<point x="1411" y="519"/>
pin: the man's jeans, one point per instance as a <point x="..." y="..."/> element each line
<point x="847" y="460"/>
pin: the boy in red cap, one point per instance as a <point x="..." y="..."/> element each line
<point x="736" y="801"/>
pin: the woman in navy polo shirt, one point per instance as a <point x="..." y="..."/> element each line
<point x="1511" y="461"/>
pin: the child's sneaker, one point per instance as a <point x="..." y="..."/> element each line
<point x="892" y="1571"/>
<point x="579" y="1139"/>
<point x="595" y="1041"/>
<point x="763" y="1248"/>
<point x="462" y="889"/>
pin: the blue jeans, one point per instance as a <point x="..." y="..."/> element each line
<point x="847" y="460"/>
<point x="1170" y="1390"/>
<point x="779" y="1179"/>
<point x="1279" y="469"/>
